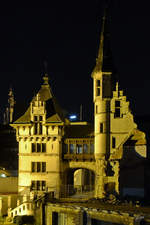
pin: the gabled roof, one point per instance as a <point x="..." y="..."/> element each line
<point x="53" y="111"/>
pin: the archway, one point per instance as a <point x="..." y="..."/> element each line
<point x="79" y="182"/>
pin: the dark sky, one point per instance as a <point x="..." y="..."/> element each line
<point x="67" y="37"/>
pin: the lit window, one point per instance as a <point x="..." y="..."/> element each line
<point x="72" y="148"/>
<point x="79" y="149"/>
<point x="92" y="148"/>
<point x="85" y="148"/>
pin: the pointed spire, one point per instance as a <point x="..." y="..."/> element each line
<point x="104" y="60"/>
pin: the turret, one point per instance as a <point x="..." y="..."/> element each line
<point x="103" y="86"/>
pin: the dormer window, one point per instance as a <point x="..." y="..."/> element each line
<point x="38" y="118"/>
<point x="38" y="124"/>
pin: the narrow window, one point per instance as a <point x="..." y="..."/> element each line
<point x="43" y="185"/>
<point x="117" y="112"/>
<point x="101" y="127"/>
<point x="33" y="147"/>
<point x="98" y="91"/>
<point x="33" y="185"/>
<point x="43" y="147"/>
<point x="38" y="167"/>
<point x="38" y="185"/>
<point x="72" y="148"/>
<point x="35" y="128"/>
<point x="85" y="148"/>
<point x="79" y="149"/>
<point x="38" y="147"/>
<point x="33" y="167"/>
<point x="41" y="118"/>
<point x="96" y="108"/>
<point x="117" y="109"/>
<point x="40" y="128"/>
<point x="43" y="166"/>
<point x="91" y="148"/>
<point x="98" y="83"/>
<point x="113" y="142"/>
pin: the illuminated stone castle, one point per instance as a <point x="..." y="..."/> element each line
<point x="66" y="158"/>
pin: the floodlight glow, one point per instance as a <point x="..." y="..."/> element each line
<point x="3" y="175"/>
<point x="73" y="117"/>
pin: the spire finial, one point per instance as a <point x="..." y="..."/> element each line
<point x="45" y="77"/>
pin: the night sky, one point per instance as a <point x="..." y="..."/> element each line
<point x="67" y="37"/>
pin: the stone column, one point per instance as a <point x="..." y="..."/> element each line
<point x="115" y="168"/>
<point x="100" y="175"/>
<point x="48" y="216"/>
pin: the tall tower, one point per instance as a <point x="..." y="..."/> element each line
<point x="103" y="86"/>
<point x="113" y="120"/>
<point x="39" y="131"/>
